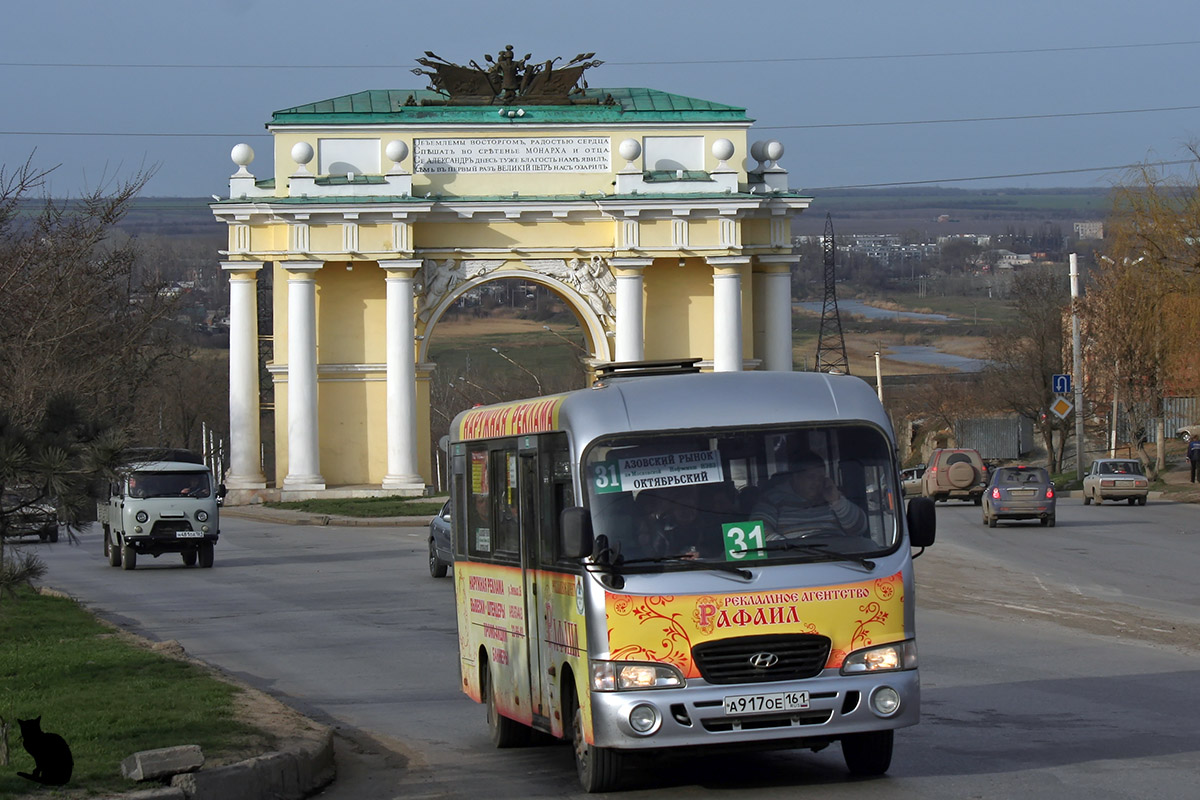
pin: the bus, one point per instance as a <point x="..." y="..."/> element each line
<point x="632" y="574"/>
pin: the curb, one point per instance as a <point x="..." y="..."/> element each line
<point x="291" y="774"/>
<point x="283" y="517"/>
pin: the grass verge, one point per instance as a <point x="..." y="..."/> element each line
<point x="106" y="694"/>
<point x="363" y="507"/>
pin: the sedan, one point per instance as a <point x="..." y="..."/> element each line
<point x="1019" y="493"/>
<point x="27" y="518"/>
<point x="910" y="480"/>
<point x="441" y="554"/>
<point x="1188" y="432"/>
<point x="1116" y="479"/>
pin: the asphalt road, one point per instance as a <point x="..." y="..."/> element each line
<point x="1056" y="662"/>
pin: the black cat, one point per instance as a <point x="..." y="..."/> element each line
<point x="51" y="755"/>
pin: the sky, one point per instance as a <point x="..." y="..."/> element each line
<point x="1023" y="93"/>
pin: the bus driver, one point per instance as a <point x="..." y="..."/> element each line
<point x="806" y="502"/>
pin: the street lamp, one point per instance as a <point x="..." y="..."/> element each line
<point x="495" y="396"/>
<point x="523" y="369"/>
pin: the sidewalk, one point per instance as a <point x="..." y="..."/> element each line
<point x="285" y="517"/>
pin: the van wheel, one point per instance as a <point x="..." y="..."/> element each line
<point x="189" y="558"/>
<point x="128" y="557"/>
<point x="505" y="732"/>
<point x="53" y="536"/>
<point x="868" y="753"/>
<point x="206" y="555"/>
<point x="111" y="551"/>
<point x="599" y="768"/>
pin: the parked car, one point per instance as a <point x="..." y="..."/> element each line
<point x="957" y="473"/>
<point x="1188" y="432"/>
<point x="26" y="516"/>
<point x="910" y="480"/>
<point x="1115" y="479"/>
<point x="1019" y="492"/>
<point x="441" y="554"/>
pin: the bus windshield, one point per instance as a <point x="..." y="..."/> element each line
<point x="739" y="496"/>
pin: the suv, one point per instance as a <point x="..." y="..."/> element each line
<point x="955" y="473"/>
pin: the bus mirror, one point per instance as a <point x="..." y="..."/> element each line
<point x="922" y="521"/>
<point x="576" y="533"/>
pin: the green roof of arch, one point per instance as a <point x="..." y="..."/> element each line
<point x="388" y="106"/>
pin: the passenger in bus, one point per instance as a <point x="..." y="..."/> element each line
<point x="807" y="502"/>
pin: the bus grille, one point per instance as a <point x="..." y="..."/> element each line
<point x="748" y="659"/>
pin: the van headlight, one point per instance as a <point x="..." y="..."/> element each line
<point x="202" y="516"/>
<point x="883" y="658"/>
<point x="141" y="516"/>
<point x="618" y="676"/>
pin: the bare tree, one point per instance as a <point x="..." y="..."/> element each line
<point x="1024" y="359"/>
<point x="74" y="314"/>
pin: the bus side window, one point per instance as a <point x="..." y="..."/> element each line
<point x="506" y="528"/>
<point x="479" y="507"/>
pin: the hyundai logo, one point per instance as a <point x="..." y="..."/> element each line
<point x="763" y="660"/>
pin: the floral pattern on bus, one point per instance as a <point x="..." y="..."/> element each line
<point x="664" y="637"/>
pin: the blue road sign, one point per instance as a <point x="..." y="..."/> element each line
<point x="1060" y="384"/>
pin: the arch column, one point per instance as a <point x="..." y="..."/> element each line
<point x="727" y="312"/>
<point x="631" y="334"/>
<point x="303" y="433"/>
<point x="245" y="434"/>
<point x="403" y="470"/>
<point x="773" y="305"/>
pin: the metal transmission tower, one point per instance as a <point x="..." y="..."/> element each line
<point x="831" y="344"/>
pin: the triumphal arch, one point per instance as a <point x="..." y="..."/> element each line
<point x="652" y="215"/>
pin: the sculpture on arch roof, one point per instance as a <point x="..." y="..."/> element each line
<point x="508" y="79"/>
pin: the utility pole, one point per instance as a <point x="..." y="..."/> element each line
<point x="1077" y="367"/>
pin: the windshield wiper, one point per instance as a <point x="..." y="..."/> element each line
<point x="683" y="558"/>
<point x="813" y="549"/>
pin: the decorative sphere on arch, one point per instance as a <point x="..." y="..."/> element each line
<point x="396" y="150"/>
<point x="757" y="151"/>
<point x="242" y="154"/>
<point x="773" y="150"/>
<point x="722" y="149"/>
<point x="630" y="149"/>
<point x="302" y="152"/>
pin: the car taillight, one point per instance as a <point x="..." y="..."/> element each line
<point x="995" y="492"/>
<point x="1049" y="494"/>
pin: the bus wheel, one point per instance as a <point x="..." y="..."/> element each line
<point x="505" y="732"/>
<point x="599" y="768"/>
<point x="868" y="753"/>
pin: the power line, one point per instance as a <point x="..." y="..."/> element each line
<point x="975" y="119"/>
<point x="775" y="60"/>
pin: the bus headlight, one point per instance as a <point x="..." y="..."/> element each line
<point x="617" y="676"/>
<point x="884" y="658"/>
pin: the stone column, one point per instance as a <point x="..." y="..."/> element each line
<point x="303" y="434"/>
<point x="631" y="335"/>
<point x="727" y="312"/>
<point x="245" y="437"/>
<point x="403" y="471"/>
<point x="775" y="278"/>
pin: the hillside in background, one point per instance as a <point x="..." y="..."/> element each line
<point x="939" y="211"/>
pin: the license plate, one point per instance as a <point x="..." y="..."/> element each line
<point x="189" y="535"/>
<point x="766" y="703"/>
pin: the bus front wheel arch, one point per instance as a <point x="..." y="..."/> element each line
<point x="599" y="768"/>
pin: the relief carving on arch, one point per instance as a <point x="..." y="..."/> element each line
<point x="592" y="278"/>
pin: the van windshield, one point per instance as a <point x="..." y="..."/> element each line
<point x="170" y="484"/>
<point x="738" y="496"/>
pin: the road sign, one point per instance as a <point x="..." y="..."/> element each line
<point x="1061" y="407"/>
<point x="1060" y="384"/>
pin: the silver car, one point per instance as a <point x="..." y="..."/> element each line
<point x="1019" y="492"/>
<point x="441" y="554"/>
<point x="1116" y="479"/>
